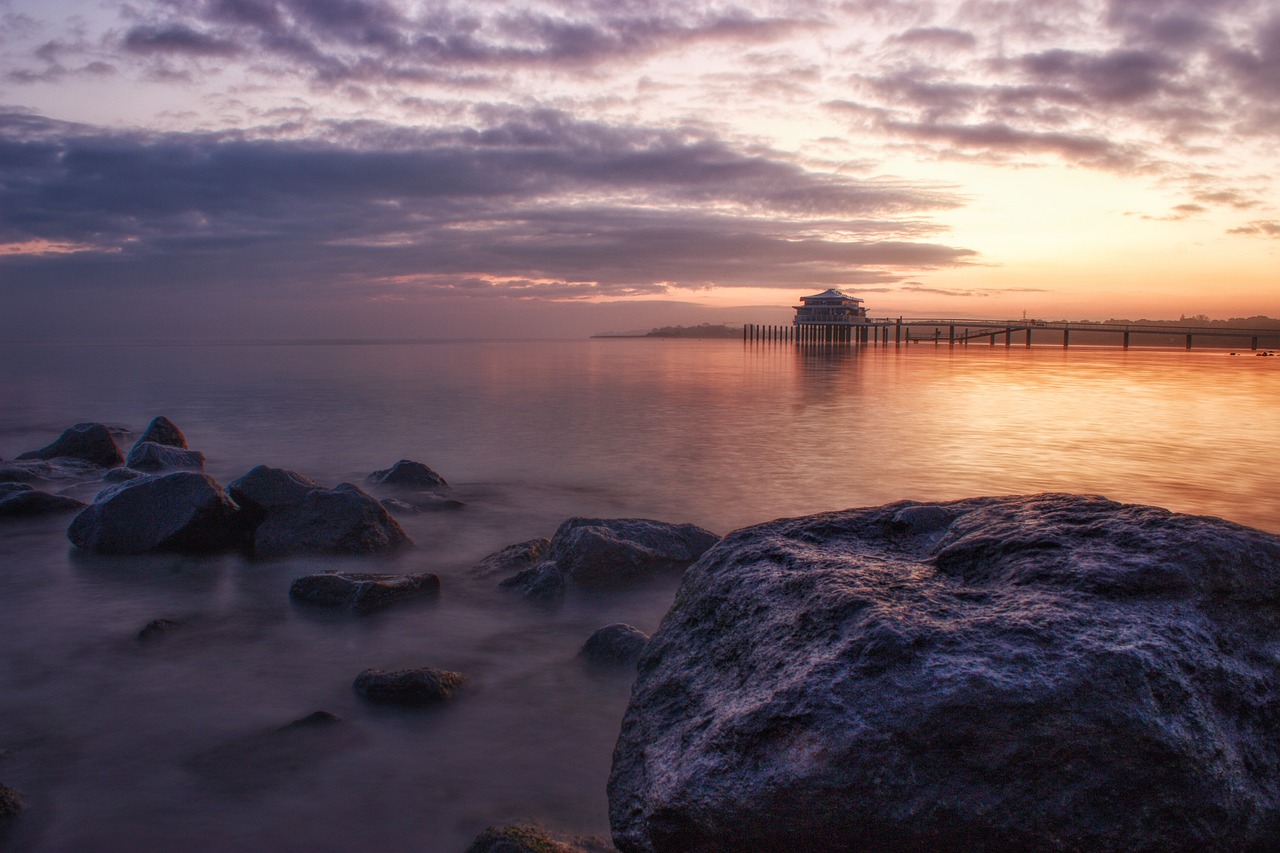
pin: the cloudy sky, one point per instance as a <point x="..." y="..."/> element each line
<point x="419" y="168"/>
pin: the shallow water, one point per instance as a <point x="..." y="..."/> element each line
<point x="118" y="744"/>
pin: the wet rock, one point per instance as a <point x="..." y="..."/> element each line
<point x="11" y="804"/>
<point x="25" y="502"/>
<point x="363" y="592"/>
<point x="1047" y="673"/>
<point x="513" y="558"/>
<point x="291" y="514"/>
<point x="161" y="430"/>
<point x="121" y="475"/>
<point x="531" y="838"/>
<point x="408" y="474"/>
<point x="408" y="686"/>
<point x="157" y="628"/>
<point x="182" y="511"/>
<point x="151" y="457"/>
<point x="51" y="470"/>
<point x="8" y="488"/>
<point x="598" y="554"/>
<point x="614" y="645"/>
<point x="92" y="443"/>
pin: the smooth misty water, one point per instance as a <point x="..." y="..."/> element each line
<point x="122" y="745"/>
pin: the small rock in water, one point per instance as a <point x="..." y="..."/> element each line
<point x="408" y="686"/>
<point x="92" y="443"/>
<point x="157" y="628"/>
<point x="161" y="430"/>
<point x="421" y="502"/>
<point x="531" y="838"/>
<point x="362" y="592"/>
<point x="513" y="558"/>
<point x="11" y="804"/>
<point x="614" y="645"/>
<point x="26" y="502"/>
<point x="151" y="457"/>
<point x="312" y="720"/>
<point x="408" y="474"/>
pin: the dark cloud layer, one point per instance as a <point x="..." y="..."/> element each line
<point x="537" y="205"/>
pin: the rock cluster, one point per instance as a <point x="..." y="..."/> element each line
<point x="1046" y="673"/>
<point x="599" y="554"/>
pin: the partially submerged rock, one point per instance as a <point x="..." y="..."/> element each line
<point x="88" y="442"/>
<point x="11" y="804"/>
<point x="157" y="628"/>
<point x="151" y="457"/>
<point x="599" y="554"/>
<point x="408" y="474"/>
<point x="531" y="838"/>
<point x="408" y="686"/>
<point x="161" y="430"/>
<point x="1048" y="673"/>
<point x="60" y="470"/>
<point x="363" y="592"/>
<point x="267" y="758"/>
<point x="182" y="511"/>
<point x="291" y="514"/>
<point x="618" y="644"/>
<point x="28" y="501"/>
<point x="513" y="558"/>
<point x="421" y="502"/>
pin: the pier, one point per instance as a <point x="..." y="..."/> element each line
<point x="963" y="332"/>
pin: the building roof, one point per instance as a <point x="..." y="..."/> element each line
<point x="832" y="294"/>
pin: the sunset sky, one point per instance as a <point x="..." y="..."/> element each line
<point x="388" y="168"/>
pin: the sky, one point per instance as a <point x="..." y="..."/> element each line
<point x="232" y="169"/>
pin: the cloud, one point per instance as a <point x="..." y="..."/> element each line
<point x="1259" y="228"/>
<point x="533" y="205"/>
<point x="1000" y="140"/>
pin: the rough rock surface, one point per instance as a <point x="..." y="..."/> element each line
<point x="151" y="457"/>
<point x="28" y="501"/>
<point x="1043" y="673"/>
<point x="618" y="644"/>
<point x="161" y="430"/>
<point x="513" y="558"/>
<point x="408" y="474"/>
<point x="598" y="553"/>
<point x="182" y="511"/>
<point x="92" y="443"/>
<point x="408" y="686"/>
<point x="10" y="804"/>
<point x="416" y="502"/>
<point x="291" y="514"/>
<point x="362" y="592"/>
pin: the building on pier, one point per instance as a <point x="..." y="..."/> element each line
<point x="830" y="308"/>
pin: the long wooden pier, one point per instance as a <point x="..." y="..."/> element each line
<point x="961" y="332"/>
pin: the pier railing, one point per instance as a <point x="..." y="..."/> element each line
<point x="961" y="331"/>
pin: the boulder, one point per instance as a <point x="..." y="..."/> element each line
<point x="1043" y="673"/>
<point x="151" y="457"/>
<point x="531" y="838"/>
<point x="92" y="443"/>
<point x="161" y="430"/>
<point x="28" y="501"/>
<point x="290" y="514"/>
<point x="513" y="558"/>
<point x="408" y="686"/>
<point x="614" y="645"/>
<point x="362" y="592"/>
<point x="598" y="554"/>
<point x="182" y="511"/>
<point x="408" y="474"/>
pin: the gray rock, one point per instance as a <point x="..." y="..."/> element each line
<point x="408" y="474"/>
<point x="598" y="554"/>
<point x="618" y="644"/>
<point x="182" y="511"/>
<point x="161" y="430"/>
<point x="513" y="558"/>
<point x="151" y="457"/>
<point x="408" y="686"/>
<point x="28" y="501"/>
<point x="92" y="443"/>
<point x="290" y="514"/>
<point x="1051" y="673"/>
<point x="363" y="592"/>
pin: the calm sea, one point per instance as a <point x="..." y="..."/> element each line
<point x="122" y="745"/>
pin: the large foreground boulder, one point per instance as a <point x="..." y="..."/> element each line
<point x="292" y="514"/>
<point x="182" y="511"/>
<point x="92" y="443"/>
<point x="599" y="554"/>
<point x="1045" y="673"/>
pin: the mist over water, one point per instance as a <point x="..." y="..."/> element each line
<point x="122" y="745"/>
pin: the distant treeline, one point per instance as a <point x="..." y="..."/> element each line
<point x="702" y="330"/>
<point x="1258" y="322"/>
